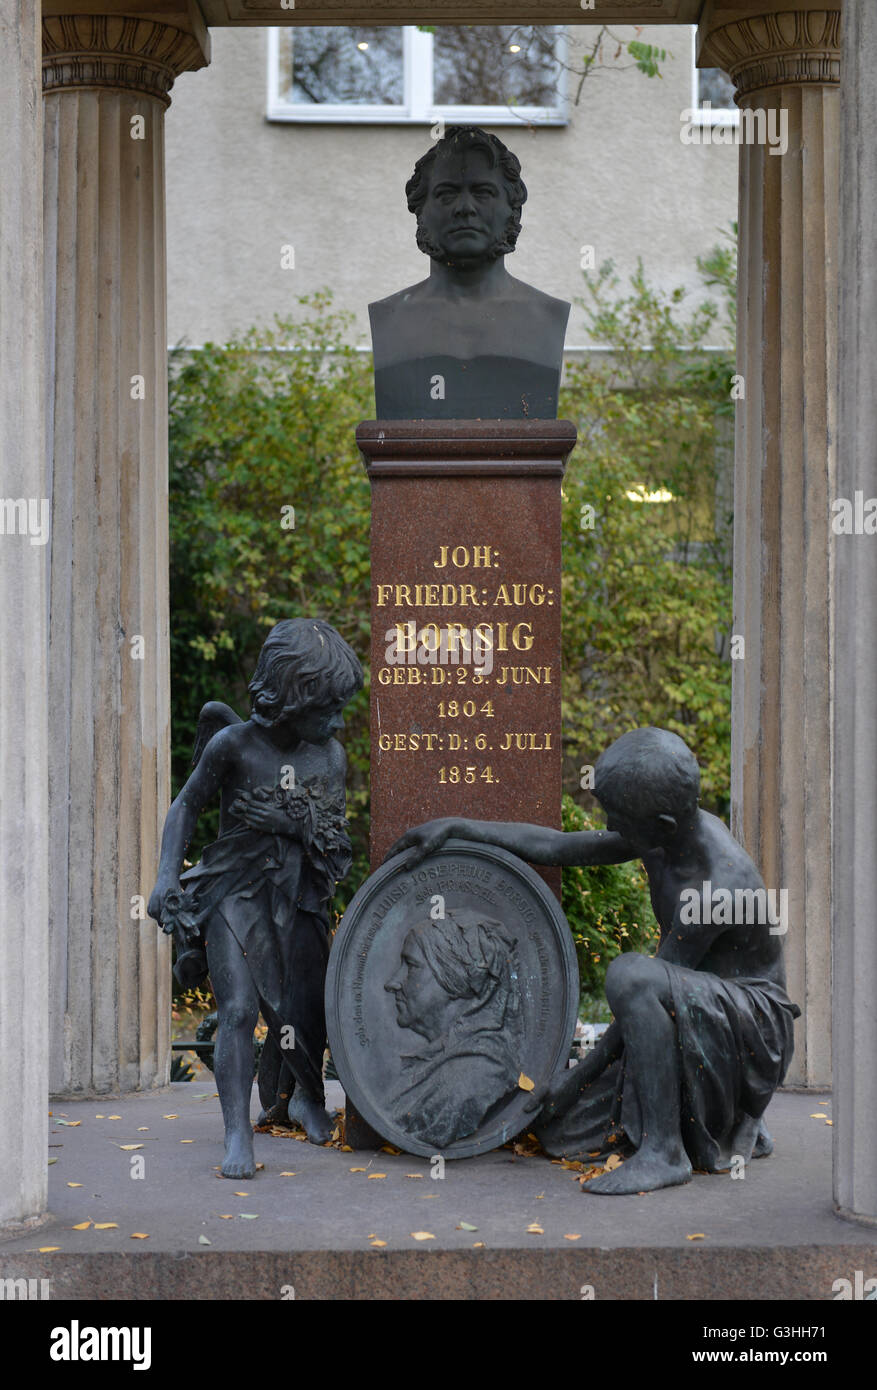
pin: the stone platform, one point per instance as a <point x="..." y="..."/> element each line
<point x="771" y="1235"/>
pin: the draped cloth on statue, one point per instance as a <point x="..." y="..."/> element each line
<point x="271" y="892"/>
<point x="735" y="1044"/>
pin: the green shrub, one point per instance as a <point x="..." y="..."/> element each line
<point x="647" y="584"/>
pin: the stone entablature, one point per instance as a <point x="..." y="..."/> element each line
<point x="290" y="12"/>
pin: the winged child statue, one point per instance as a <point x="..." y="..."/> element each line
<point x="254" y="911"/>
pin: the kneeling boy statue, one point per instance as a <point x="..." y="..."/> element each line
<point x="702" y="1031"/>
<point x="254" y="910"/>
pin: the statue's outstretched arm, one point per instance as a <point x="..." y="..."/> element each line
<point x="538" y="844"/>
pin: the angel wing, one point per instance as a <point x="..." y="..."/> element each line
<point x="213" y="717"/>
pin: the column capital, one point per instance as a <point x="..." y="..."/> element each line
<point x="119" y="51"/>
<point x="789" y="43"/>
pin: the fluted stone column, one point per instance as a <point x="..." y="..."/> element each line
<point x="855" y="647"/>
<point x="23" y="630"/>
<point x="106" y="81"/>
<point x="786" y="63"/>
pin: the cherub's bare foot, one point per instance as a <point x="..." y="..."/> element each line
<point x="643" y="1172"/>
<point x="239" y="1160"/>
<point x="312" y="1117"/>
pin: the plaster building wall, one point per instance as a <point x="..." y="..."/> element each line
<point x="240" y="187"/>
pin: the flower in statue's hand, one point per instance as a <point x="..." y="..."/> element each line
<point x="175" y="915"/>
<point x="269" y="810"/>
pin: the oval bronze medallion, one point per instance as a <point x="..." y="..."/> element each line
<point x="451" y="987"/>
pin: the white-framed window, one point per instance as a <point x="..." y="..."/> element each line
<point x="473" y="74"/>
<point x="712" y="93"/>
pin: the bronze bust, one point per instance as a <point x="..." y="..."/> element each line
<point x="470" y="341"/>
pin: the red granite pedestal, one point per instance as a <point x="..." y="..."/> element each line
<point x="465" y="613"/>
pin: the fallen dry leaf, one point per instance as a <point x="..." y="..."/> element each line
<point x="528" y="1148"/>
<point x="229" y="1217"/>
<point x="128" y="1147"/>
<point x="525" y="1083"/>
<point x="70" y="1123"/>
<point x="346" y="1149"/>
<point x="164" y="1117"/>
<point x="377" y="1242"/>
<point x="114" y="1117"/>
<point x="613" y="1161"/>
<point x="389" y="1149"/>
<point x="83" y="1226"/>
<point x="142" y="1129"/>
<point x="242" y="1194"/>
<point x="358" y="1170"/>
<point x="287" y="1175"/>
<point x="376" y="1175"/>
<point x="139" y="1235"/>
<point x="573" y="1236"/>
<point x="74" y="1184"/>
<point x="52" y="1160"/>
<point x="422" y="1235"/>
<point x="188" y="1141"/>
<point x="414" y="1175"/>
<point x="249" y="1215"/>
<point x="106" y="1225"/>
<point x="45" y="1249"/>
<point x="202" y="1240"/>
<point x="465" y="1226"/>
<point x="696" y="1235"/>
<point x="534" y="1229"/>
<point x="819" y="1115"/>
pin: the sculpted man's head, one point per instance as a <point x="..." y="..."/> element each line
<point x="467" y="194"/>
<point x="461" y="967"/>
